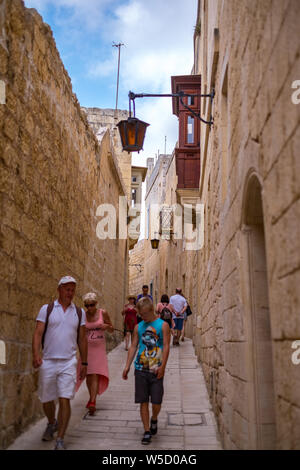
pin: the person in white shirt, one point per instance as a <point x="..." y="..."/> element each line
<point x="180" y="305"/>
<point x="60" y="326"/>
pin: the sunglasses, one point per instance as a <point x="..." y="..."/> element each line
<point x="89" y="305"/>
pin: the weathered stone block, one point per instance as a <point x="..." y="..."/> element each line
<point x="8" y="325"/>
<point x="284" y="426"/>
<point x="240" y="431"/>
<point x="233" y="325"/>
<point x="235" y="359"/>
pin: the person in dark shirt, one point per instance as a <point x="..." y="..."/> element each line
<point x="145" y="290"/>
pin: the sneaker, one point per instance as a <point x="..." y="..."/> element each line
<point x="153" y="427"/>
<point x="59" y="445"/>
<point x="49" y="431"/>
<point x="147" y="438"/>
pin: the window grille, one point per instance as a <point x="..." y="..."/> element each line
<point x="166" y="222"/>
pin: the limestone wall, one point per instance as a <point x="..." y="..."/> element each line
<point x="54" y="174"/>
<point x="102" y="119"/>
<point x="248" y="270"/>
<point x="136" y="268"/>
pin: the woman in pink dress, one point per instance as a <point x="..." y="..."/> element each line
<point x="97" y="379"/>
<point x="130" y="319"/>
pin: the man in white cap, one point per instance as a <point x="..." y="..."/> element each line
<point x="60" y="326"/>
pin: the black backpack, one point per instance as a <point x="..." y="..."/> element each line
<point x="188" y="311"/>
<point x="49" y="310"/>
<point x="166" y="314"/>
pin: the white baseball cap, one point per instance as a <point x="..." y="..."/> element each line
<point x="66" y="280"/>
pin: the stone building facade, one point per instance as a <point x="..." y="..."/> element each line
<point x="136" y="268"/>
<point x="101" y="120"/>
<point x="132" y="177"/>
<point x="249" y="267"/>
<point x="171" y="265"/>
<point x="243" y="283"/>
<point x="54" y="174"/>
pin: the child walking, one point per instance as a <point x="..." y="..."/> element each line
<point x="152" y="338"/>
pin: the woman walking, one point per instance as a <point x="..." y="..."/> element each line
<point x="165" y="310"/>
<point x="97" y="378"/>
<point x="130" y="319"/>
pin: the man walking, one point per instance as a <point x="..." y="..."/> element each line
<point x="152" y="337"/>
<point x="145" y="290"/>
<point x="180" y="305"/>
<point x="60" y="326"/>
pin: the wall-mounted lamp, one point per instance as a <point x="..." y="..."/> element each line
<point x="132" y="131"/>
<point x="155" y="241"/>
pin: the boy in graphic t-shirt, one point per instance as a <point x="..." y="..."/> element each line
<point x="152" y="337"/>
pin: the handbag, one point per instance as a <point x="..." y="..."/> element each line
<point x="188" y="311"/>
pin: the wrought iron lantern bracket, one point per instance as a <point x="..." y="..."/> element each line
<point x="132" y="96"/>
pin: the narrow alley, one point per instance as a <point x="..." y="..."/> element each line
<point x="186" y="421"/>
<point x="88" y="198"/>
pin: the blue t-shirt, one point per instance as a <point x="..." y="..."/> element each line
<point x="140" y="296"/>
<point x="149" y="356"/>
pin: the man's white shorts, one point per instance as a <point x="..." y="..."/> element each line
<point x="57" y="379"/>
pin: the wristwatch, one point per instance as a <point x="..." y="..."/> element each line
<point x="84" y="363"/>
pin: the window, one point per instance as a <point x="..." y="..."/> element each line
<point x="190" y="130"/>
<point x="166" y="220"/>
<point x="191" y="101"/>
<point x="133" y="179"/>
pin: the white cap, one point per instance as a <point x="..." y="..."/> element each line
<point x="66" y="280"/>
<point x="90" y="296"/>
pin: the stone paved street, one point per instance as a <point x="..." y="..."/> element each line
<point x="186" y="421"/>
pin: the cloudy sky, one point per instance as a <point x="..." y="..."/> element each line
<point x="158" y="38"/>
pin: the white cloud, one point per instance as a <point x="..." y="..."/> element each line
<point x="88" y="14"/>
<point x="104" y="68"/>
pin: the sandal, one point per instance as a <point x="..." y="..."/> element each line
<point x="92" y="407"/>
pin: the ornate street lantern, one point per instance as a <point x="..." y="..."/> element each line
<point x="132" y="133"/>
<point x="154" y="243"/>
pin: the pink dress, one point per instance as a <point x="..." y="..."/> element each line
<point x="97" y="359"/>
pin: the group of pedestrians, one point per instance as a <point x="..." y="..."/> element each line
<point x="61" y="326"/>
<point x="173" y="311"/>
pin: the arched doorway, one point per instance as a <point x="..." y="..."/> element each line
<point x="260" y="360"/>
